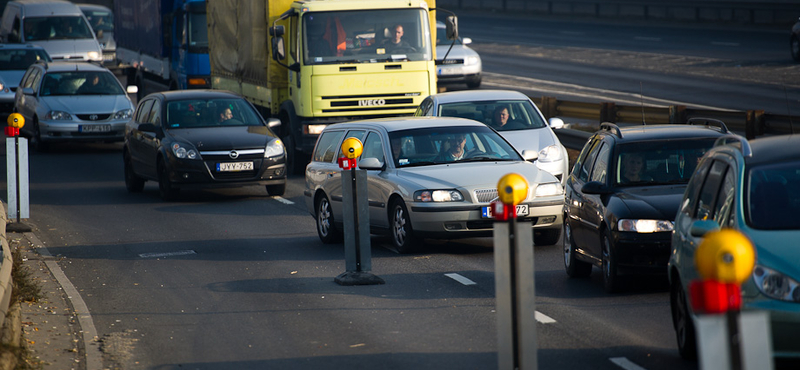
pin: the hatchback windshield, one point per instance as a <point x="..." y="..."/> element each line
<point x="502" y="115"/>
<point x="20" y="59"/>
<point x="56" y="28"/>
<point x="80" y="83"/>
<point x="774" y="196"/>
<point x="210" y="113"/>
<point x="438" y="145"/>
<point x="659" y="162"/>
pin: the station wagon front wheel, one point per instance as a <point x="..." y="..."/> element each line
<point x="326" y="229"/>
<point x="402" y="234"/>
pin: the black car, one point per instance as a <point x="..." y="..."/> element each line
<point x="201" y="138"/>
<point x="623" y="194"/>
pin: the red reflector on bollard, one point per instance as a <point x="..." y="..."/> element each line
<point x="12" y="131"/>
<point x="709" y="296"/>
<point x="347" y="163"/>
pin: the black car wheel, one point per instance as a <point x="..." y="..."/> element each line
<point x="795" y="47"/>
<point x="133" y="183"/>
<point x="402" y="234"/>
<point x="474" y="82"/>
<point x="165" y="188"/>
<point x="682" y="321"/>
<point x="575" y="267"/>
<point x="276" y="190"/>
<point x="611" y="280"/>
<point x="326" y="229"/>
<point x="36" y="142"/>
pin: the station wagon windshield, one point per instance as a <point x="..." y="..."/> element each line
<point x="431" y="146"/>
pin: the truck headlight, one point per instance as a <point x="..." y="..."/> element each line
<point x="450" y="195"/>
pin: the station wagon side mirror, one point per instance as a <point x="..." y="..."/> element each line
<point x="700" y="228"/>
<point x="595" y="187"/>
<point x="530" y="155"/>
<point x="273" y="123"/>
<point x="556" y="123"/>
<point x="371" y="164"/>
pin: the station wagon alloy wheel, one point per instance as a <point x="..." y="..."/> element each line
<point x="575" y="267"/>
<point x="327" y="231"/>
<point x="402" y="235"/>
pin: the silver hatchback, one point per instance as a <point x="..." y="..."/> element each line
<point x="428" y="177"/>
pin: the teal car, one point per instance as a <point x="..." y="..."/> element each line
<point x="753" y="187"/>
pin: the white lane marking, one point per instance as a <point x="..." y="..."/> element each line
<point x="626" y="364"/>
<point x="94" y="359"/>
<point x="557" y="87"/>
<point x="722" y="43"/>
<point x="643" y="38"/>
<point x="283" y="200"/>
<point x="460" y="279"/>
<point x="542" y="318"/>
<point x="168" y="254"/>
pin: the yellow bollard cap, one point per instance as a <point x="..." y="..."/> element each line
<point x="512" y="189"/>
<point x="16" y="120"/>
<point x="351" y="148"/>
<point x="726" y="256"/>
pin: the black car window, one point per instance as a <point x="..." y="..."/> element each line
<point x="659" y="161"/>
<point x="373" y="148"/>
<point x="155" y="115"/>
<point x="326" y="146"/>
<point x="587" y="162"/>
<point x="600" y="170"/>
<point x="773" y="196"/>
<point x="725" y="198"/>
<point x="193" y="113"/>
<point x="710" y="190"/>
<point x="144" y="110"/>
<point x="358" y="134"/>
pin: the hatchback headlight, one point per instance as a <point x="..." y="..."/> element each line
<point x="183" y="151"/>
<point x="123" y="114"/>
<point x="274" y="149"/>
<point x="451" y="195"/>
<point x="548" y="189"/>
<point x="644" y="226"/>
<point x="775" y="284"/>
<point x="57" y="115"/>
<point x="550" y="154"/>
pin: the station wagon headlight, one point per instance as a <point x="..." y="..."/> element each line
<point x="548" y="190"/>
<point x="644" y="226"/>
<point x="93" y="55"/>
<point x="123" y="114"/>
<point x="550" y="154"/>
<point x="775" y="284"/>
<point x="184" y="152"/>
<point x="274" y="149"/>
<point x="57" y="115"/>
<point x="471" y="61"/>
<point x="438" y="196"/>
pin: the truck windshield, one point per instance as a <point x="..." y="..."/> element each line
<point x="57" y="28"/>
<point x="366" y="36"/>
<point x="198" y="32"/>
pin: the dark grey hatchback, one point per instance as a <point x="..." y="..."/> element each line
<point x="623" y="193"/>
<point x="201" y="138"/>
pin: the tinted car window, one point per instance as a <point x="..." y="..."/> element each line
<point x="81" y="83"/>
<point x="144" y="110"/>
<point x="522" y="114"/>
<point x="56" y="28"/>
<point x="326" y="146"/>
<point x="423" y="146"/>
<point x="588" y="161"/>
<point x="153" y="117"/>
<point x="695" y="183"/>
<point x="600" y="171"/>
<point x="373" y="148"/>
<point x="210" y="113"/>
<point x="724" y="203"/>
<point x="709" y="191"/>
<point x="358" y="134"/>
<point x="773" y="196"/>
<point x="20" y="59"/>
<point x="664" y="162"/>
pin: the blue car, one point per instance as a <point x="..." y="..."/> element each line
<point x="753" y="187"/>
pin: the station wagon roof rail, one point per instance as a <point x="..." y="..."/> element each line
<point x="610" y="126"/>
<point x="744" y="144"/>
<point x="707" y="122"/>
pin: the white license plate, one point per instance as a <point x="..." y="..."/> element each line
<point x="522" y="210"/>
<point x="94" y="128"/>
<point x="234" y="166"/>
<point x="450" y="71"/>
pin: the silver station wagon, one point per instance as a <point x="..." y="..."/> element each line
<point x="429" y="177"/>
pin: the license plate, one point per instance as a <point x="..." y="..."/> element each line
<point x="449" y="71"/>
<point x="234" y="166"/>
<point x="522" y="210"/>
<point x="94" y="128"/>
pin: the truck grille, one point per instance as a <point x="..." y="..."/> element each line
<point x="368" y="103"/>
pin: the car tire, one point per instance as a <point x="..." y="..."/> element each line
<point x="474" y="82"/>
<point x="133" y="182"/>
<point x="326" y="228"/>
<point x="611" y="280"/>
<point x="36" y="142"/>
<point x="682" y="321"/>
<point x="401" y="233"/>
<point x="276" y="190"/>
<point x="546" y="237"/>
<point x="575" y="268"/>
<point x="794" y="46"/>
<point x="166" y="189"/>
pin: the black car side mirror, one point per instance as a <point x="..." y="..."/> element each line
<point x="595" y="187"/>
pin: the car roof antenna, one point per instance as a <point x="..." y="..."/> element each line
<point x="641" y="98"/>
<point x="788" y="110"/>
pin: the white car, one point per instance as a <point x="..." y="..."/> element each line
<point x="462" y="65"/>
<point x="527" y="128"/>
<point x="14" y="61"/>
<point x="418" y="189"/>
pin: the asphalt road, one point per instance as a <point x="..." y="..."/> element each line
<point x="234" y="279"/>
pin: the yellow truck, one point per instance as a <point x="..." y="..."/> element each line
<point x="312" y="63"/>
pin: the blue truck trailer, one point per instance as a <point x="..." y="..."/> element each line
<point x="164" y="42"/>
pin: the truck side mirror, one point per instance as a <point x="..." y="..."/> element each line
<point x="278" y="50"/>
<point x="276" y="31"/>
<point x="451" y="23"/>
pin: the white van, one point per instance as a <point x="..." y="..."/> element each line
<point x="56" y="25"/>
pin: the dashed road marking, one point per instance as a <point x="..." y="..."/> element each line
<point x="283" y="200"/>
<point x="542" y="318"/>
<point x="626" y="364"/>
<point x="168" y="254"/>
<point x="460" y="279"/>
